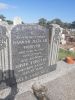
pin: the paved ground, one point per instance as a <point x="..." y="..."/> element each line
<point x="62" y="88"/>
<point x="26" y="96"/>
<point x="60" y="84"/>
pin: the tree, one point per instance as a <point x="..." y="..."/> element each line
<point x="23" y="22"/>
<point x="57" y="21"/>
<point x="9" y="22"/>
<point x="66" y="25"/>
<point x="73" y="24"/>
<point x="42" y="22"/>
<point x="48" y="24"/>
<point x="2" y="17"/>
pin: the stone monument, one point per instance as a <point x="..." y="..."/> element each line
<point x="29" y="51"/>
<point x="17" y="20"/>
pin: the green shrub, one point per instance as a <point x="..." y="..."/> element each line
<point x="64" y="53"/>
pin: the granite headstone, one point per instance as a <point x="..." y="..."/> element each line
<point x="29" y="45"/>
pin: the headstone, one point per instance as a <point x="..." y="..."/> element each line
<point x="4" y="55"/>
<point x="17" y="20"/>
<point x="2" y="30"/>
<point x="63" y="41"/>
<point x="55" y="33"/>
<point x="29" y="45"/>
<point x="29" y="51"/>
<point x="2" y="46"/>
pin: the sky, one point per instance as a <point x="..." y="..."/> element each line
<point x="32" y="10"/>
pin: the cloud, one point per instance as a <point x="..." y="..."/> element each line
<point x="4" y="6"/>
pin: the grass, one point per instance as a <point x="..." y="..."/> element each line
<point x="64" y="53"/>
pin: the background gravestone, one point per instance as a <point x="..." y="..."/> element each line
<point x="2" y="30"/>
<point x="2" y="46"/>
<point x="5" y="79"/>
<point x="29" y="50"/>
<point x="4" y="66"/>
<point x="55" y="34"/>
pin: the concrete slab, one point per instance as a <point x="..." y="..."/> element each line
<point x="60" y="84"/>
<point x="26" y="96"/>
<point x="62" y="88"/>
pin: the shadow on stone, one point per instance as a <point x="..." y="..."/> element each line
<point x="9" y="82"/>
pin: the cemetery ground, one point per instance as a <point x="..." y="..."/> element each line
<point x="60" y="84"/>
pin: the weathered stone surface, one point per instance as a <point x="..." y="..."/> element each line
<point x="26" y="96"/>
<point x="8" y="93"/>
<point x="2" y="30"/>
<point x="63" y="87"/>
<point x="29" y="45"/>
<point x="4" y="93"/>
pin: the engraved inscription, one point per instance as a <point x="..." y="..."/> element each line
<point x="29" y="51"/>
